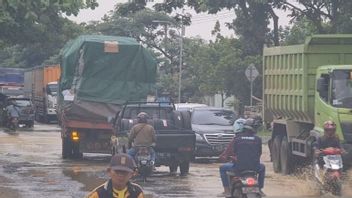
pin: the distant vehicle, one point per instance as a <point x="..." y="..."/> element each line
<point x="12" y="90"/>
<point x="188" y="106"/>
<point x="26" y="110"/>
<point x="213" y="128"/>
<point x="40" y="85"/>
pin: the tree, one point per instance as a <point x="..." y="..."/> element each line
<point x="328" y="16"/>
<point x="28" y="22"/>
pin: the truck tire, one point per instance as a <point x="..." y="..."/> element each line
<point x="173" y="168"/>
<point x="66" y="148"/>
<point x="285" y="156"/>
<point x="276" y="154"/>
<point x="76" y="154"/>
<point x="184" y="168"/>
<point x="186" y="118"/>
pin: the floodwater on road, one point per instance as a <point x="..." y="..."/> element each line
<point x="31" y="166"/>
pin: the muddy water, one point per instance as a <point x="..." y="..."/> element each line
<point x="31" y="166"/>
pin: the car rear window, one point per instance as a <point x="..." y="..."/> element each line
<point x="213" y="117"/>
<point x="153" y="113"/>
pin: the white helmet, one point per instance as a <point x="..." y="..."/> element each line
<point x="238" y="125"/>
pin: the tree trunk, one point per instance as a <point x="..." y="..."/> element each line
<point x="276" y="26"/>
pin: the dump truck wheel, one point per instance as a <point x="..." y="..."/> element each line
<point x="285" y="156"/>
<point x="66" y="148"/>
<point x="276" y="154"/>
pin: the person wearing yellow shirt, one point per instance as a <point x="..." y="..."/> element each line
<point x="120" y="171"/>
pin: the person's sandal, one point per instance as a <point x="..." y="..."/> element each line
<point x="262" y="193"/>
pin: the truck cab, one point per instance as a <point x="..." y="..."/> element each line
<point x="334" y="101"/>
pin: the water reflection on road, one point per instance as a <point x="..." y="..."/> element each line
<point x="31" y="166"/>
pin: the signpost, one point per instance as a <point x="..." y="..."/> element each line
<point x="251" y="73"/>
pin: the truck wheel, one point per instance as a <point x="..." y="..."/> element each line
<point x="173" y="168"/>
<point x="186" y="117"/>
<point x="285" y="156"/>
<point x="75" y="151"/>
<point x="276" y="154"/>
<point x="66" y="148"/>
<point x="184" y="168"/>
<point x="30" y="124"/>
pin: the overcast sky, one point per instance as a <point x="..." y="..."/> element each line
<point x="202" y="24"/>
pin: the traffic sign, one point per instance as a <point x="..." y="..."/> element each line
<point x="251" y="72"/>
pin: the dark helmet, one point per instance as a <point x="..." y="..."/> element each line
<point x="250" y="124"/>
<point x="142" y="117"/>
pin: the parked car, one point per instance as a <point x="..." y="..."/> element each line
<point x="213" y="128"/>
<point x="26" y="110"/>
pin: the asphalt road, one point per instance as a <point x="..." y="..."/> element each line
<point x="31" y="166"/>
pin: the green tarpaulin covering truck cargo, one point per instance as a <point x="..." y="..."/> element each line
<point x="98" y="75"/>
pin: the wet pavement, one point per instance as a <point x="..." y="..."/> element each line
<point x="31" y="166"/>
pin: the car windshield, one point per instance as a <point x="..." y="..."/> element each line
<point x="22" y="103"/>
<point x="153" y="112"/>
<point x="342" y="88"/>
<point x="52" y="89"/>
<point x="213" y="117"/>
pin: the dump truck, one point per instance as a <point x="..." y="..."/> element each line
<point x="40" y="85"/>
<point x="98" y="75"/>
<point x="305" y="85"/>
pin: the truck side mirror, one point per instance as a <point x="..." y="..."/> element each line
<point x="322" y="87"/>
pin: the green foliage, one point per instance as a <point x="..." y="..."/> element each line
<point x="327" y="16"/>
<point x="27" y="22"/>
<point x="298" y="32"/>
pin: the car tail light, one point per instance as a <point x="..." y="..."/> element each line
<point x="75" y="136"/>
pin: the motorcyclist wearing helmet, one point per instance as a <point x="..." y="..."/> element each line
<point x="229" y="156"/>
<point x="12" y="110"/>
<point x="248" y="149"/>
<point x="329" y="139"/>
<point x="142" y="135"/>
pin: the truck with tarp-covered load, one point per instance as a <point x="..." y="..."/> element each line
<point x="304" y="86"/>
<point x="98" y="75"/>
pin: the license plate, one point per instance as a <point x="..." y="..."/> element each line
<point x="219" y="147"/>
<point x="250" y="190"/>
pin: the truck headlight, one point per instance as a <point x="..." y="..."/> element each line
<point x="199" y="137"/>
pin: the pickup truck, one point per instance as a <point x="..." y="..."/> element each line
<point x="175" y="139"/>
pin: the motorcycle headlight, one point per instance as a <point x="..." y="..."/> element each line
<point x="198" y="137"/>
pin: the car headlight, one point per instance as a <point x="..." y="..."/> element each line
<point x="198" y="137"/>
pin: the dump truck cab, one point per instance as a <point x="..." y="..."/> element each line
<point x="303" y="86"/>
<point x="333" y="101"/>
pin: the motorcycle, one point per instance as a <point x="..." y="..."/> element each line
<point x="244" y="185"/>
<point x="329" y="176"/>
<point x="144" y="161"/>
